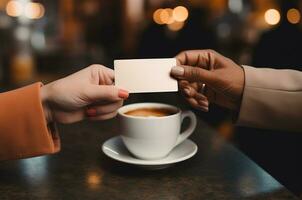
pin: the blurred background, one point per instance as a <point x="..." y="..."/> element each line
<point x="48" y="39"/>
<point x="44" y="40"/>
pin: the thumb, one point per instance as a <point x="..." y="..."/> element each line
<point x="192" y="74"/>
<point x="106" y="93"/>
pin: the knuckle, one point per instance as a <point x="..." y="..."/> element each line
<point x="212" y="54"/>
<point x="181" y="53"/>
<point x="211" y="51"/>
<point x="95" y="66"/>
<point x="101" y="110"/>
<point x="194" y="73"/>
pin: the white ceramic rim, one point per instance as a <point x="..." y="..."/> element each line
<point x="133" y="106"/>
<point x="137" y="161"/>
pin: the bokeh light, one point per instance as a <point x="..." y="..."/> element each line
<point x="272" y="16"/>
<point x="156" y="16"/>
<point x="14" y="9"/>
<point x="28" y="10"/>
<point x="180" y="14"/>
<point x="176" y="26"/>
<point x="94" y="179"/>
<point x="171" y="17"/>
<point x="22" y="33"/>
<point x="235" y="6"/>
<point x="166" y="16"/>
<point x="34" y="10"/>
<point x="293" y="16"/>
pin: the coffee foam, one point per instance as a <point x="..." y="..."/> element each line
<point x="151" y="112"/>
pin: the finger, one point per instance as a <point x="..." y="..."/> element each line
<point x="202" y="58"/>
<point x="195" y="85"/>
<point x="192" y="74"/>
<point x="103" y="103"/>
<point x="104" y="109"/>
<point x="110" y="75"/>
<point x="68" y="117"/>
<point x="192" y="102"/>
<point x="185" y="88"/>
<point x="203" y="103"/>
<point x="96" y="93"/>
<point x="199" y="96"/>
<point x="102" y="74"/>
<point x="108" y="72"/>
<point x="188" y="91"/>
<point x="103" y="117"/>
<point x="196" y="105"/>
<point x="183" y="83"/>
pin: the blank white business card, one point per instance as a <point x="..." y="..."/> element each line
<point x="145" y="75"/>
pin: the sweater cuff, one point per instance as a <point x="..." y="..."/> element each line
<point x="24" y="131"/>
<point x="52" y="139"/>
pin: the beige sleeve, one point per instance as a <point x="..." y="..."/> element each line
<point x="272" y="99"/>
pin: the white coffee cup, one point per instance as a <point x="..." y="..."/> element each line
<point x="151" y="138"/>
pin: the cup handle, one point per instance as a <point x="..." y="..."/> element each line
<point x="184" y="135"/>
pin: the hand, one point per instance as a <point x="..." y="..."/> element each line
<point x="87" y="93"/>
<point x="223" y="79"/>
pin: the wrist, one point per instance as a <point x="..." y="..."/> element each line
<point x="44" y="96"/>
<point x="239" y="88"/>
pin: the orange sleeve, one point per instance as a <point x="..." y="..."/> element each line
<point x="23" y="129"/>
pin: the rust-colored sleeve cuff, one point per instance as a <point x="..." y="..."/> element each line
<point x="23" y="129"/>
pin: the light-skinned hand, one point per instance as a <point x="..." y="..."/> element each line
<point x="89" y="93"/>
<point x="223" y="78"/>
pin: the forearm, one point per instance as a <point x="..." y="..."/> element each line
<point x="272" y="99"/>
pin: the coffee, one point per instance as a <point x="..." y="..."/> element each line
<point x="151" y="112"/>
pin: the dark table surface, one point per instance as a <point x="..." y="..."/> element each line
<point x="82" y="171"/>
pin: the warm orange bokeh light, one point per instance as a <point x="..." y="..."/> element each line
<point x="272" y="16"/>
<point x="176" y="26"/>
<point x="166" y="16"/>
<point x="14" y="9"/>
<point x="293" y="16"/>
<point x="34" y="10"/>
<point x="170" y="16"/>
<point x="156" y="16"/>
<point x="180" y="14"/>
<point x="94" y="179"/>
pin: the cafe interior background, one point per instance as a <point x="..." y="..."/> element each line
<point x="48" y="39"/>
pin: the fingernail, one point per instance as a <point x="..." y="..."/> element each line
<point x="123" y="94"/>
<point x="177" y="71"/>
<point x="91" y="112"/>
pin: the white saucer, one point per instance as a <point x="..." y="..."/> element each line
<point x="115" y="149"/>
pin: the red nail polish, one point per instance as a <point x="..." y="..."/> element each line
<point x="91" y="112"/>
<point x="123" y="94"/>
